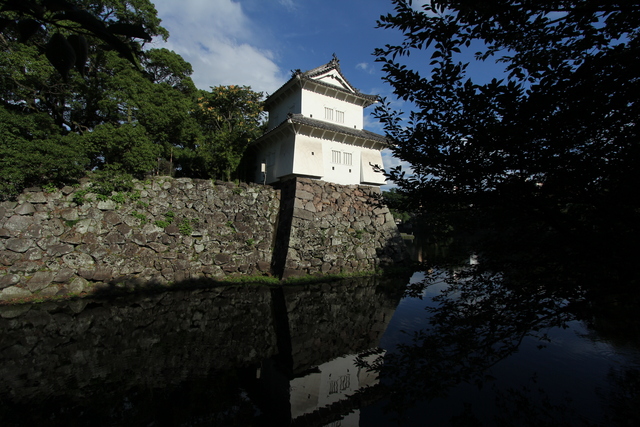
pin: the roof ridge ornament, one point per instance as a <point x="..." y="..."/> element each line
<point x="335" y="63"/>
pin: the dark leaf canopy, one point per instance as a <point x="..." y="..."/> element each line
<point x="556" y="126"/>
<point x="66" y="26"/>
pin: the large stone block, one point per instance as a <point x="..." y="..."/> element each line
<point x="25" y="209"/>
<point x="18" y="245"/>
<point x="40" y="280"/>
<point x="18" y="223"/>
<point x="9" y="280"/>
<point x="13" y="292"/>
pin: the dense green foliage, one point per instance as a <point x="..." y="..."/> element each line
<point x="397" y="204"/>
<point x="65" y="30"/>
<point x="120" y="108"/>
<point x="551" y="144"/>
<point x="230" y="118"/>
<point x="33" y="151"/>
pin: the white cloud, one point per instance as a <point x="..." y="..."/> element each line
<point x="218" y="39"/>
<point x="289" y="4"/>
<point x="366" y="67"/>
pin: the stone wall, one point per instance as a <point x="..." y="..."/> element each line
<point x="167" y="230"/>
<point x="174" y="230"/>
<point x="337" y="229"/>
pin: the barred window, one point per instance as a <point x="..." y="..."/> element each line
<point x="336" y="156"/>
<point x="347" y="159"/>
<point x="328" y="113"/>
<point x="339" y="116"/>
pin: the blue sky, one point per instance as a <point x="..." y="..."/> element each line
<point x="258" y="42"/>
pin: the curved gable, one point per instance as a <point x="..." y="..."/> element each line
<point x="335" y="78"/>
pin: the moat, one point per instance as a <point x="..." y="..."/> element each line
<point x="407" y="351"/>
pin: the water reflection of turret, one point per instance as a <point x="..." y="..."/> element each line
<point x="327" y="326"/>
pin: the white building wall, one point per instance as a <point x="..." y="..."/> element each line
<point x="267" y="155"/>
<point x="367" y="174"/>
<point x="333" y="78"/>
<point x="308" y="158"/>
<point x="314" y="104"/>
<point x="278" y="157"/>
<point x="278" y="113"/>
<point x="342" y="163"/>
<point x="331" y="161"/>
<point x="284" y="157"/>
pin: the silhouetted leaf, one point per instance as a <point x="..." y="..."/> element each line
<point x="4" y="23"/>
<point x="57" y="5"/>
<point x="61" y="54"/>
<point x="15" y="6"/>
<point x="81" y="49"/>
<point x="129" y="30"/>
<point x="27" y="28"/>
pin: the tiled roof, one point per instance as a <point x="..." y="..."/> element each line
<point x="334" y="64"/>
<point x="320" y="124"/>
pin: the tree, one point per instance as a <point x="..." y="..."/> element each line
<point x="33" y="153"/>
<point x="37" y="76"/>
<point x="121" y="112"/>
<point x="231" y="117"/>
<point x="552" y="142"/>
<point x="396" y="202"/>
<point x="159" y="101"/>
<point x="61" y="27"/>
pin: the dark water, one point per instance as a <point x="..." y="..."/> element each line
<point x="565" y="374"/>
<point x="432" y="349"/>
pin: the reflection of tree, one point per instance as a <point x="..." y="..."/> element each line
<point x="483" y="314"/>
<point x="623" y="400"/>
<point x="477" y="321"/>
<point x="532" y="406"/>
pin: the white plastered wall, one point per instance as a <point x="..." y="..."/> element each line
<point x="337" y="162"/>
<point x="313" y="105"/>
<point x="367" y="174"/>
<point x="278" y="113"/>
<point x="308" y="158"/>
<point x="342" y="172"/>
<point x="278" y="157"/>
<point x="333" y="78"/>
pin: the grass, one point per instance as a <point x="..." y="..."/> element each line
<point x="37" y="299"/>
<point x="115" y="289"/>
<point x="185" y="227"/>
<point x="71" y="222"/>
<point x="78" y="196"/>
<point x="142" y="217"/>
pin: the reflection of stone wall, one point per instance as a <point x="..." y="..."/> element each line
<point x="142" y="341"/>
<point x="181" y="352"/>
<point x="337" y="228"/>
<point x="334" y="319"/>
<point x="50" y="245"/>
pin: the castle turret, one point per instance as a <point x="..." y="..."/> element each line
<point x="316" y="131"/>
